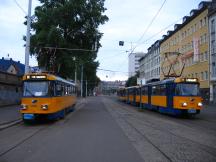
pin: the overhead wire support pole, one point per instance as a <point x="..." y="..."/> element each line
<point x="81" y="86"/>
<point x="86" y="88"/>
<point x="27" y="48"/>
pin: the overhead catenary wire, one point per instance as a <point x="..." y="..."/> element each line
<point x="20" y="7"/>
<point x="111" y="70"/>
<point x="69" y="49"/>
<point x="159" y="32"/>
<point x="155" y="16"/>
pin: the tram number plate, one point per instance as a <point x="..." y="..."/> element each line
<point x="28" y="116"/>
<point x="192" y="111"/>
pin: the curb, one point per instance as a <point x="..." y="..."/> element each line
<point x="10" y="124"/>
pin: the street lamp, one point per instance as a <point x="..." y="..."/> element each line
<point x="75" y="72"/>
<point x="27" y="48"/>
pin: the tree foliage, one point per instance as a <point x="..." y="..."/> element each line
<point x="132" y="81"/>
<point x="68" y="24"/>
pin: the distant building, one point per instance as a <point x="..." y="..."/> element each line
<point x="150" y="63"/>
<point x="212" y="50"/>
<point x="190" y="39"/>
<point x="110" y="87"/>
<point x="133" y="62"/>
<point x="13" y="67"/>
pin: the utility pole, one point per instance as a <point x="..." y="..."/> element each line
<point x="86" y="88"/>
<point x="27" y="48"/>
<point x="75" y="73"/>
<point x="81" y="80"/>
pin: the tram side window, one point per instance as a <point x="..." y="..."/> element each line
<point x="66" y="90"/>
<point x="163" y="90"/>
<point x="58" y="89"/>
<point x="71" y="87"/>
<point x="155" y="90"/>
<point x="138" y="91"/>
<point x="52" y="88"/>
<point x="145" y="91"/>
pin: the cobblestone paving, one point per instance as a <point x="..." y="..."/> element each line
<point x="160" y="137"/>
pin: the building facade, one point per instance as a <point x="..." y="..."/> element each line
<point x="110" y="87"/>
<point x="212" y="51"/>
<point x="10" y="81"/>
<point x="150" y="63"/>
<point x="133" y="62"/>
<point x="190" y="41"/>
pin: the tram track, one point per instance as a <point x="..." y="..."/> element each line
<point x="178" y="120"/>
<point x="127" y="114"/>
<point x="140" y="118"/>
<point x="35" y="130"/>
<point x="122" y="117"/>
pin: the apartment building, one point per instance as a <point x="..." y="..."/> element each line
<point x="212" y="50"/>
<point x="150" y="63"/>
<point x="133" y="62"/>
<point x="189" y="39"/>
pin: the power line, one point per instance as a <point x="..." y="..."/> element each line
<point x="111" y="70"/>
<point x="70" y="49"/>
<point x="150" y="24"/>
<point x="159" y="32"/>
<point x="20" y="7"/>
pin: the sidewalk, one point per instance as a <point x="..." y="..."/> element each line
<point x="9" y="114"/>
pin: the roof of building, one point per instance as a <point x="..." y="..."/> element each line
<point x="186" y="19"/>
<point x="6" y="63"/>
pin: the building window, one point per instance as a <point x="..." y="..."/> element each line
<point x="206" y="75"/>
<point x="200" y="26"/>
<point x="213" y="25"/>
<point x="202" y="76"/>
<point x="204" y="22"/>
<point x="196" y="75"/>
<point x="206" y="55"/>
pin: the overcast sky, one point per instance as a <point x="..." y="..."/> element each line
<point x="128" y="20"/>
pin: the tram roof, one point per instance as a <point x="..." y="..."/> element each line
<point x="45" y="76"/>
<point x="175" y="80"/>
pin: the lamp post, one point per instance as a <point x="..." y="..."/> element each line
<point x="27" y="48"/>
<point x="75" y="71"/>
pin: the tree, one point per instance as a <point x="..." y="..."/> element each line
<point x="60" y="25"/>
<point x="132" y="81"/>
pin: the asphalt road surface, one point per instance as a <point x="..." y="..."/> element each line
<point x="103" y="129"/>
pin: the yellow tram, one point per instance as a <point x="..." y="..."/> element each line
<point x="46" y="95"/>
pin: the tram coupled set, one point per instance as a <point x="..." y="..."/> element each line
<point x="46" y="95"/>
<point x="177" y="96"/>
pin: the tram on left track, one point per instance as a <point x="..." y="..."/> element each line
<point x="46" y="96"/>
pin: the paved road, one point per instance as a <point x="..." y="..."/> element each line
<point x="103" y="129"/>
<point x="87" y="135"/>
<point x="9" y="114"/>
<point x="159" y="137"/>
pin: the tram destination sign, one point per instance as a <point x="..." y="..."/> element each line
<point x="36" y="77"/>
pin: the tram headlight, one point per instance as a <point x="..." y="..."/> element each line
<point x="184" y="104"/>
<point x="200" y="104"/>
<point x="24" y="107"/>
<point x="44" y="107"/>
